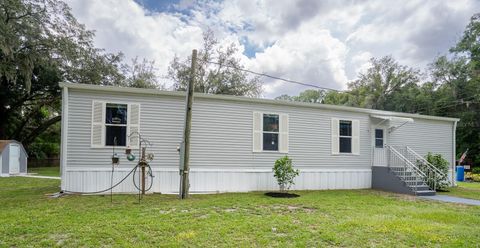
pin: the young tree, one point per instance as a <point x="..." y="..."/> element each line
<point x="217" y="71"/>
<point x="284" y="172"/>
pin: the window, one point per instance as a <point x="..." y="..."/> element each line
<point x="116" y="124"/>
<point x="270" y="132"/>
<point x="345" y="136"/>
<point x="379" y="138"/>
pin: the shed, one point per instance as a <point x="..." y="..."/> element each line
<point x="13" y="158"/>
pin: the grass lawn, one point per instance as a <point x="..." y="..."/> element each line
<point x="45" y="171"/>
<point x="468" y="190"/>
<point x="318" y="218"/>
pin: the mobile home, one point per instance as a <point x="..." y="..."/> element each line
<point x="235" y="141"/>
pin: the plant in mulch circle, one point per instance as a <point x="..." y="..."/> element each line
<point x="285" y="174"/>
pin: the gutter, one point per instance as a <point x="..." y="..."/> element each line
<point x="454" y="152"/>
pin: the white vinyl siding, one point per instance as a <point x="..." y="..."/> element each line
<point x="425" y="136"/>
<point x="98" y="125"/>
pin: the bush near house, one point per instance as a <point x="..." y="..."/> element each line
<point x="284" y="173"/>
<point x="441" y="164"/>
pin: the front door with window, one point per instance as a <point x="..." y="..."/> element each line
<point x="379" y="138"/>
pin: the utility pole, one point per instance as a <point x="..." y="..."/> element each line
<point x="185" y="148"/>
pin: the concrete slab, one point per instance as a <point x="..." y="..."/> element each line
<point x="452" y="199"/>
<point x="35" y="176"/>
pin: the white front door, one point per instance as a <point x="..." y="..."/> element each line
<point x="14" y="159"/>
<point x="379" y="138"/>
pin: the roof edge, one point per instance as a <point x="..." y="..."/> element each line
<point x="254" y="100"/>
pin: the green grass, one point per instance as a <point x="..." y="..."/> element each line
<point x="464" y="189"/>
<point x="45" y="171"/>
<point x="344" y="218"/>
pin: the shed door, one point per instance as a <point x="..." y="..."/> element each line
<point x="14" y="159"/>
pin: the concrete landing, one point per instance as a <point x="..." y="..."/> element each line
<point x="452" y="199"/>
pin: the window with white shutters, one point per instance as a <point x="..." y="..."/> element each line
<point x="270" y="132"/>
<point x="345" y="136"/>
<point x="115" y="124"/>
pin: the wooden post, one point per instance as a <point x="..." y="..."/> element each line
<point x="185" y="185"/>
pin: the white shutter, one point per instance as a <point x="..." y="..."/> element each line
<point x="257" y="131"/>
<point x="356" y="137"/>
<point x="133" y="125"/>
<point x="335" y="136"/>
<point x="283" y="142"/>
<point x="98" y="124"/>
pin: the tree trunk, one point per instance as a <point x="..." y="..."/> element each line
<point x="39" y="130"/>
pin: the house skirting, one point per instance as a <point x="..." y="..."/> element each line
<point x="166" y="180"/>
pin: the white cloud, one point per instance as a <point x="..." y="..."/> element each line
<point x="123" y="26"/>
<point x="321" y="42"/>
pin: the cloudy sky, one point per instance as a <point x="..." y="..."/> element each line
<point x="325" y="43"/>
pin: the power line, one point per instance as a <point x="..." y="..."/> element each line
<point x="456" y="102"/>
<point x="273" y="77"/>
<point x="467" y="100"/>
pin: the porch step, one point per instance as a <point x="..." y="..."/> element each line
<point x="412" y="181"/>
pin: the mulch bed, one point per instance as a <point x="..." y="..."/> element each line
<point x="281" y="195"/>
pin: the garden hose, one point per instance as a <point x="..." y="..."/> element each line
<point x="112" y="187"/>
<point x="149" y="173"/>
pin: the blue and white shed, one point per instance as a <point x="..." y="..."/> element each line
<point x="13" y="158"/>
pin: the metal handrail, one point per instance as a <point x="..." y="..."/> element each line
<point x="406" y="161"/>
<point x="426" y="162"/>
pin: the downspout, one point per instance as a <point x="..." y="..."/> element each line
<point x="454" y="160"/>
<point x="64" y="136"/>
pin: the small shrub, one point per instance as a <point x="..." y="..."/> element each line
<point x="476" y="170"/>
<point x="476" y="177"/>
<point x="472" y="176"/>
<point x="284" y="173"/>
<point x="441" y="164"/>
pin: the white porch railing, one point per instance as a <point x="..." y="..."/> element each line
<point x="414" y="164"/>
<point x="408" y="172"/>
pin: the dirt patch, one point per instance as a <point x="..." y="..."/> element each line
<point x="281" y="195"/>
